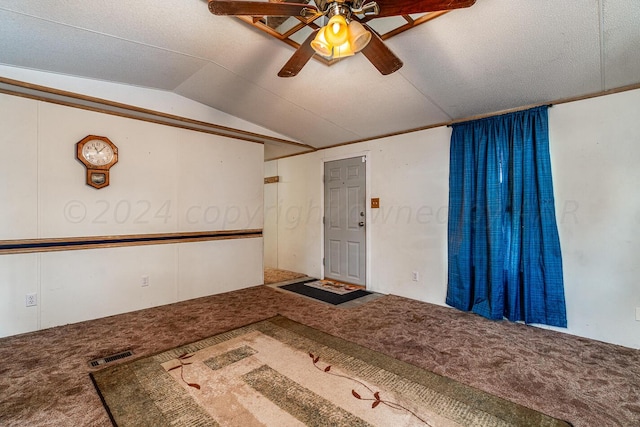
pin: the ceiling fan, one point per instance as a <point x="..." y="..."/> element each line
<point x="346" y="32"/>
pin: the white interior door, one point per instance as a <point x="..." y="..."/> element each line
<point x="345" y="220"/>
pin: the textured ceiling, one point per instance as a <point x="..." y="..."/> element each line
<point x="495" y="55"/>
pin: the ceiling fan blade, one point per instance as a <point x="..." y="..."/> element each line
<point x="259" y="8"/>
<point x="406" y="7"/>
<point x="380" y="55"/>
<point x="299" y="58"/>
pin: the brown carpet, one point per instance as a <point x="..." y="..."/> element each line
<point x="44" y="376"/>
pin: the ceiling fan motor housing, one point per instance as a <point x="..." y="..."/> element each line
<point x="349" y="5"/>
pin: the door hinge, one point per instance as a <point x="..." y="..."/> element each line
<point x="322" y="261"/>
<point x="323" y="220"/>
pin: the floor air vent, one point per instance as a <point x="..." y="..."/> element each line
<point x="111" y="358"/>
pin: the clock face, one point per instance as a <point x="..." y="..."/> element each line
<point x="97" y="152"/>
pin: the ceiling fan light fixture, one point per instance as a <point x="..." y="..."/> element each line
<point x="321" y="45"/>
<point x="359" y="37"/>
<point x="339" y="39"/>
<point x="336" y="30"/>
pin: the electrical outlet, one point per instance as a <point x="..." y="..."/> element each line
<point x="31" y="300"/>
<point x="144" y="281"/>
<point x="415" y="276"/>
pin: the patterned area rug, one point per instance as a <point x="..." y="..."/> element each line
<point x="281" y="373"/>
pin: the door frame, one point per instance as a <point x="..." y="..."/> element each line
<point x="367" y="195"/>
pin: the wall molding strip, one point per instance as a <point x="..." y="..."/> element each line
<point x="71" y="99"/>
<point x="22" y="246"/>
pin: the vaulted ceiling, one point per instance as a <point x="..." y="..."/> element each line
<point x="495" y="55"/>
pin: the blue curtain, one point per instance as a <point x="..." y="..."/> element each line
<point x="504" y="250"/>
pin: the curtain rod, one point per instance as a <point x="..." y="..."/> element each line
<point x="497" y="113"/>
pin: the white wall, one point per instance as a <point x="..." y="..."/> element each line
<point x="407" y="233"/>
<point x="595" y="155"/>
<point x="166" y="180"/>
<point x="594" y="152"/>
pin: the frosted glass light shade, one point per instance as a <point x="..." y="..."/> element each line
<point x="337" y="32"/>
<point x="359" y="37"/>
<point x="320" y="44"/>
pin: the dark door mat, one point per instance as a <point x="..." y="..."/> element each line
<point x="325" y="296"/>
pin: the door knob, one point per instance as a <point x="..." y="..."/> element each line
<point x="361" y="223"/>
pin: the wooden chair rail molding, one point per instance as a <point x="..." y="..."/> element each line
<point x="92" y="242"/>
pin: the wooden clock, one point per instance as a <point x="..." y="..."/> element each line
<point x="97" y="154"/>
